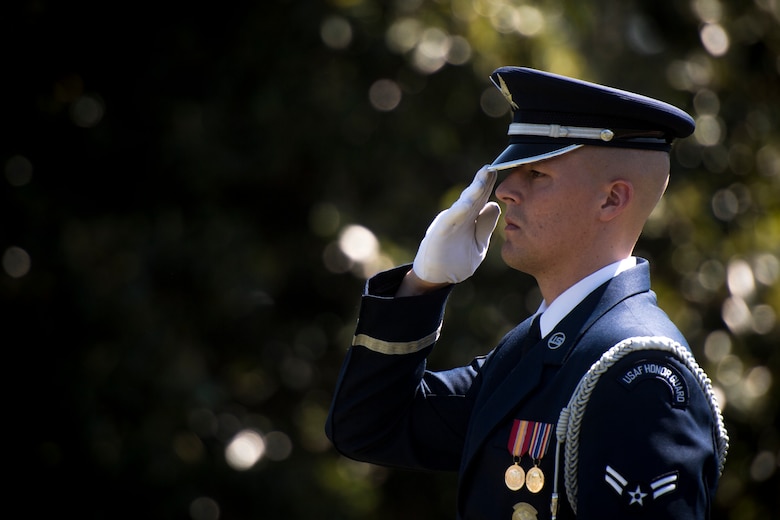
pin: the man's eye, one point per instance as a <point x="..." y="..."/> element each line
<point x="536" y="174"/>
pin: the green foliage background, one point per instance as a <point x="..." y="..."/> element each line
<point x="177" y="179"/>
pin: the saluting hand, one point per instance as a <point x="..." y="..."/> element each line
<point x="457" y="240"/>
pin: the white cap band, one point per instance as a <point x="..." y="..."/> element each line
<point x="574" y="132"/>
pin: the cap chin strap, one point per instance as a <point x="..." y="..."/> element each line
<point x="570" y="419"/>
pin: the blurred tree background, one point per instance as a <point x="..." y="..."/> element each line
<point x="194" y="194"/>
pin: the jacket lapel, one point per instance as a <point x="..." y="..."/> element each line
<point x="514" y="381"/>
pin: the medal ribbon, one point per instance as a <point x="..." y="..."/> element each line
<point x="540" y="440"/>
<point x="518" y="440"/>
<point x="531" y="437"/>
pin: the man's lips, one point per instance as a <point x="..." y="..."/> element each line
<point x="510" y="224"/>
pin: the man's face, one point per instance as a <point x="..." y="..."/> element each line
<point x="551" y="211"/>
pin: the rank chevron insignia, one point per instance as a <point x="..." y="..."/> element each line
<point x="637" y="493"/>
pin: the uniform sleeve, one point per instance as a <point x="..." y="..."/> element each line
<point x="387" y="408"/>
<point x="647" y="443"/>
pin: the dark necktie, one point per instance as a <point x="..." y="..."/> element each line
<point x="534" y="334"/>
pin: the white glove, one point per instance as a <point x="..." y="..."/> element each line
<point x="457" y="240"/>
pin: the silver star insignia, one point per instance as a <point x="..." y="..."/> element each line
<point x="637" y="496"/>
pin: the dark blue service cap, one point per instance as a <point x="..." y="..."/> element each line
<point x="553" y="115"/>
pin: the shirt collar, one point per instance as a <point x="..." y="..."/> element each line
<point x="553" y="313"/>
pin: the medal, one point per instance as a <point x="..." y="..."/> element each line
<point x="532" y="438"/>
<point x="514" y="477"/>
<point x="524" y="511"/>
<point x="534" y="480"/>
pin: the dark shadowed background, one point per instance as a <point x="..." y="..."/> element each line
<point x="194" y="194"/>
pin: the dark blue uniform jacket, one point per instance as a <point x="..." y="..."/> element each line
<point x="647" y="442"/>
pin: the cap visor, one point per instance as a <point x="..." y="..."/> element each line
<point x="523" y="153"/>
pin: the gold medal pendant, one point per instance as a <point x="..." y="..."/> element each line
<point x="524" y="511"/>
<point x="514" y="477"/>
<point x="534" y="480"/>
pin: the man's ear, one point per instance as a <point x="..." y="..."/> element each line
<point x="619" y="195"/>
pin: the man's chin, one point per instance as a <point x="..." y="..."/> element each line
<point x="510" y="256"/>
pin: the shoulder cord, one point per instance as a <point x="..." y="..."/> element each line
<point x="570" y="419"/>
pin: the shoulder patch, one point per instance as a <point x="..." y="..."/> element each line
<point x="657" y="370"/>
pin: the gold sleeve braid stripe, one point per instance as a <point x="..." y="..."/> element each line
<point x="396" y="347"/>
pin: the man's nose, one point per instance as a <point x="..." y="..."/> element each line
<point x="506" y="191"/>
